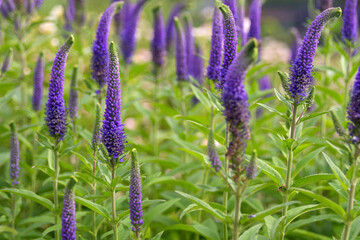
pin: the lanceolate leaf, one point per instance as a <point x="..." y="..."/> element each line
<point x="94" y="206"/>
<point x="338" y="173"/>
<point x="251" y="232"/>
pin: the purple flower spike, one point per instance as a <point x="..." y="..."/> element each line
<point x="295" y="44"/>
<point x="213" y="70"/>
<point x="7" y="61"/>
<point x="198" y="65"/>
<point x="100" y="58"/>
<point x="230" y="43"/>
<point x="29" y="6"/>
<point x="350" y="26"/>
<point x="213" y="153"/>
<point x="301" y="79"/>
<point x="14" y="155"/>
<point x="255" y="19"/>
<point x="39" y="3"/>
<point x="170" y="28"/>
<point x="353" y="110"/>
<point x="38" y="82"/>
<point x="135" y="195"/>
<point x="128" y="42"/>
<point x="324" y="4"/>
<point x="235" y="102"/>
<point x="55" y="107"/>
<point x="113" y="135"/>
<point x="240" y="22"/>
<point x="73" y="95"/>
<point x="158" y="44"/>
<point x="189" y="44"/>
<point x="181" y="66"/>
<point x="118" y="18"/>
<point x="251" y="168"/>
<point x="232" y="5"/>
<point x="68" y="217"/>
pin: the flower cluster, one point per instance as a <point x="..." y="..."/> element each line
<point x="158" y="44"/>
<point x="353" y="111"/>
<point x="38" y="82"/>
<point x="181" y="66"/>
<point x="350" y="29"/>
<point x="68" y="217"/>
<point x="14" y="155"/>
<point x="135" y="195"/>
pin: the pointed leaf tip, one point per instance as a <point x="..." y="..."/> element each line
<point x="70" y="40"/>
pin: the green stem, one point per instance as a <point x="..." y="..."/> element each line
<point x="13" y="205"/>
<point x="137" y="233"/>
<point x="56" y="198"/>
<point x="237" y="212"/>
<point x="113" y="202"/>
<point x="350" y="219"/>
<point x="347" y="79"/>
<point x="226" y="194"/>
<point x="183" y="113"/>
<point x="289" y="166"/>
<point x="94" y="194"/>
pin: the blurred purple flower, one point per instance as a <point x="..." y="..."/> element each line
<point x="181" y="66"/>
<point x="7" y="61"/>
<point x="301" y="79"/>
<point x="214" y="69"/>
<point x="14" y="155"/>
<point x="295" y="44"/>
<point x="158" y="44"/>
<point x="55" y="107"/>
<point x="212" y="152"/>
<point x="232" y="5"/>
<point x="100" y="57"/>
<point x="96" y="138"/>
<point x="240" y="23"/>
<point x="39" y="3"/>
<point x="38" y="82"/>
<point x="324" y="4"/>
<point x="350" y="27"/>
<point x="198" y="65"/>
<point x="170" y="28"/>
<point x="113" y="135"/>
<point x="73" y="95"/>
<point x="353" y="110"/>
<point x="189" y="44"/>
<point x="128" y="40"/>
<point x="135" y="195"/>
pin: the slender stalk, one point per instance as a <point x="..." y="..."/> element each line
<point x="113" y="202"/>
<point x="13" y="205"/>
<point x="350" y="219"/>
<point x="137" y="233"/>
<point x="289" y="166"/>
<point x="56" y="198"/>
<point x="94" y="194"/>
<point x="226" y="194"/>
<point x="347" y="77"/>
<point x="237" y="212"/>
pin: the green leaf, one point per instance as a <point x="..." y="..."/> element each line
<point x="51" y="229"/>
<point x="355" y="229"/>
<point x="215" y="212"/>
<point x="309" y="235"/>
<point x="270" y="172"/>
<point x="298" y="211"/>
<point x="171" y="181"/>
<point x="303" y="222"/>
<point x="338" y="173"/>
<point x="44" y="141"/>
<point x="159" y="209"/>
<point x="48" y="171"/>
<point x="4" y="228"/>
<point x="251" y="232"/>
<point x="282" y="98"/>
<point x="158" y="236"/>
<point x="303" y="160"/>
<point x="32" y="196"/>
<point x="200" y="96"/>
<point x="94" y="206"/>
<point x="273" y="110"/>
<point x="206" y="231"/>
<point x="313" y="115"/>
<point x="269" y="211"/>
<point x="326" y="202"/>
<point x="313" y="179"/>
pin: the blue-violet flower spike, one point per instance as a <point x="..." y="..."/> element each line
<point x="68" y="217"/>
<point x="73" y="95"/>
<point x="158" y="44"/>
<point x="135" y="195"/>
<point x="14" y="156"/>
<point x="170" y="28"/>
<point x="350" y="29"/>
<point x="181" y="66"/>
<point x="38" y="82"/>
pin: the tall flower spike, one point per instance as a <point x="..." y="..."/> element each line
<point x="181" y="66"/>
<point x="113" y="135"/>
<point x="353" y="110"/>
<point x="118" y="18"/>
<point x="170" y="28"/>
<point x="230" y="43"/>
<point x="7" y="61"/>
<point x="255" y="19"/>
<point x="135" y="195"/>
<point x="295" y="44"/>
<point x="95" y="141"/>
<point x="128" y="42"/>
<point x="301" y="79"/>
<point x="38" y="82"/>
<point x="73" y="95"/>
<point x="213" y="70"/>
<point x="241" y="22"/>
<point x="14" y="155"/>
<point x="189" y="44"/>
<point x="213" y="153"/>
<point x="55" y="107"/>
<point x="325" y="4"/>
<point x="251" y="168"/>
<point x="68" y="220"/>
<point x="80" y="15"/>
<point x="236" y="105"/>
<point x="29" y="6"/>
<point x="198" y="65"/>
<point x="158" y="44"/>
<point x="350" y="27"/>
<point x="100" y="57"/>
